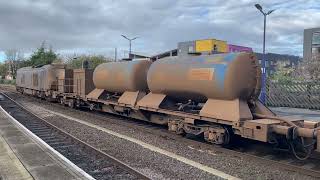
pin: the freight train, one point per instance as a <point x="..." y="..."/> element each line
<point x="212" y="96"/>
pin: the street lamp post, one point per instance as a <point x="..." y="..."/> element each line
<point x="129" y="42"/>
<point x="263" y="63"/>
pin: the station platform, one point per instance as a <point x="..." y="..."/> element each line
<point x="23" y="156"/>
<point x="297" y="113"/>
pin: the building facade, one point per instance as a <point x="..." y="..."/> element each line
<point x="185" y="48"/>
<point x="236" y="48"/>
<point x="275" y="61"/>
<point x="204" y="46"/>
<point x="311" y="43"/>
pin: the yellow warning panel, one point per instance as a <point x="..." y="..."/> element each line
<point x="221" y="46"/>
<point x="204" y="45"/>
<point x="211" y="45"/>
<point x="201" y="74"/>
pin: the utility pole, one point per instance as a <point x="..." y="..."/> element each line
<point x="263" y="63"/>
<point x="115" y="54"/>
<point x="130" y="40"/>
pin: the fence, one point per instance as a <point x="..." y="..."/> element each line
<point x="293" y="94"/>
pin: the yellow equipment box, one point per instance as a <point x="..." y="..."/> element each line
<point x="211" y="45"/>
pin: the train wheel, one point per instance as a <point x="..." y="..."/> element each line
<point x="180" y="131"/>
<point x="48" y="98"/>
<point x="217" y="135"/>
<point x="78" y="103"/>
<point x="71" y="103"/>
<point x="62" y="101"/>
<point x="91" y="107"/>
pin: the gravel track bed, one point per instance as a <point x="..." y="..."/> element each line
<point x="156" y="165"/>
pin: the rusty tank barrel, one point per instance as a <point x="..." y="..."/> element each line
<point x="122" y="76"/>
<point x="221" y="76"/>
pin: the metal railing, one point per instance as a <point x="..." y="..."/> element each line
<point x="293" y="94"/>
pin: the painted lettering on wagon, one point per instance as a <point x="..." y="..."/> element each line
<point x="201" y="74"/>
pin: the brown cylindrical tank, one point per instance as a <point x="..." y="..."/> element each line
<point x="122" y="76"/>
<point x="221" y="76"/>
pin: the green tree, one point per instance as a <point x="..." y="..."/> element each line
<point x="24" y="63"/>
<point x="42" y="56"/>
<point x="284" y="75"/>
<point x="96" y="60"/>
<point x="93" y="61"/>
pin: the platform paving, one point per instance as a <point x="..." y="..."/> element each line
<point x="297" y="113"/>
<point x="10" y="166"/>
<point x="23" y="158"/>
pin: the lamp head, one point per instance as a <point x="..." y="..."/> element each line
<point x="258" y="6"/>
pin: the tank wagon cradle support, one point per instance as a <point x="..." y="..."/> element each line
<point x="216" y="131"/>
<point x="263" y="128"/>
<point x="222" y="105"/>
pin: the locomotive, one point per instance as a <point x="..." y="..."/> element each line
<point x="212" y="96"/>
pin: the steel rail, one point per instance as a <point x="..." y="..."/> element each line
<point x="279" y="163"/>
<point x="283" y="164"/>
<point x="114" y="160"/>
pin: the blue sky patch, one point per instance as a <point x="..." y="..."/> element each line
<point x="2" y="56"/>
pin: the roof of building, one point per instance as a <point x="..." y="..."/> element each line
<point x="313" y="29"/>
<point x="210" y="39"/>
<point x="239" y="46"/>
<point x="280" y="57"/>
<point x="172" y="52"/>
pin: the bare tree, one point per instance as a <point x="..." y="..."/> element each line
<point x="14" y="57"/>
<point x="309" y="69"/>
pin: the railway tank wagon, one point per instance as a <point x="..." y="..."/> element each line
<point x="198" y="78"/>
<point x="122" y="85"/>
<point x="213" y="92"/>
<point x="122" y="76"/>
<point x="215" y="96"/>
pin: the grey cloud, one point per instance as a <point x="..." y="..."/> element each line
<point x="97" y="25"/>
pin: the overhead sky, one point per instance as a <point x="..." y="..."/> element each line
<point x="96" y="26"/>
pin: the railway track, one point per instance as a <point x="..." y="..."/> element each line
<point x="265" y="154"/>
<point x="281" y="158"/>
<point x="268" y="156"/>
<point x="93" y="161"/>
